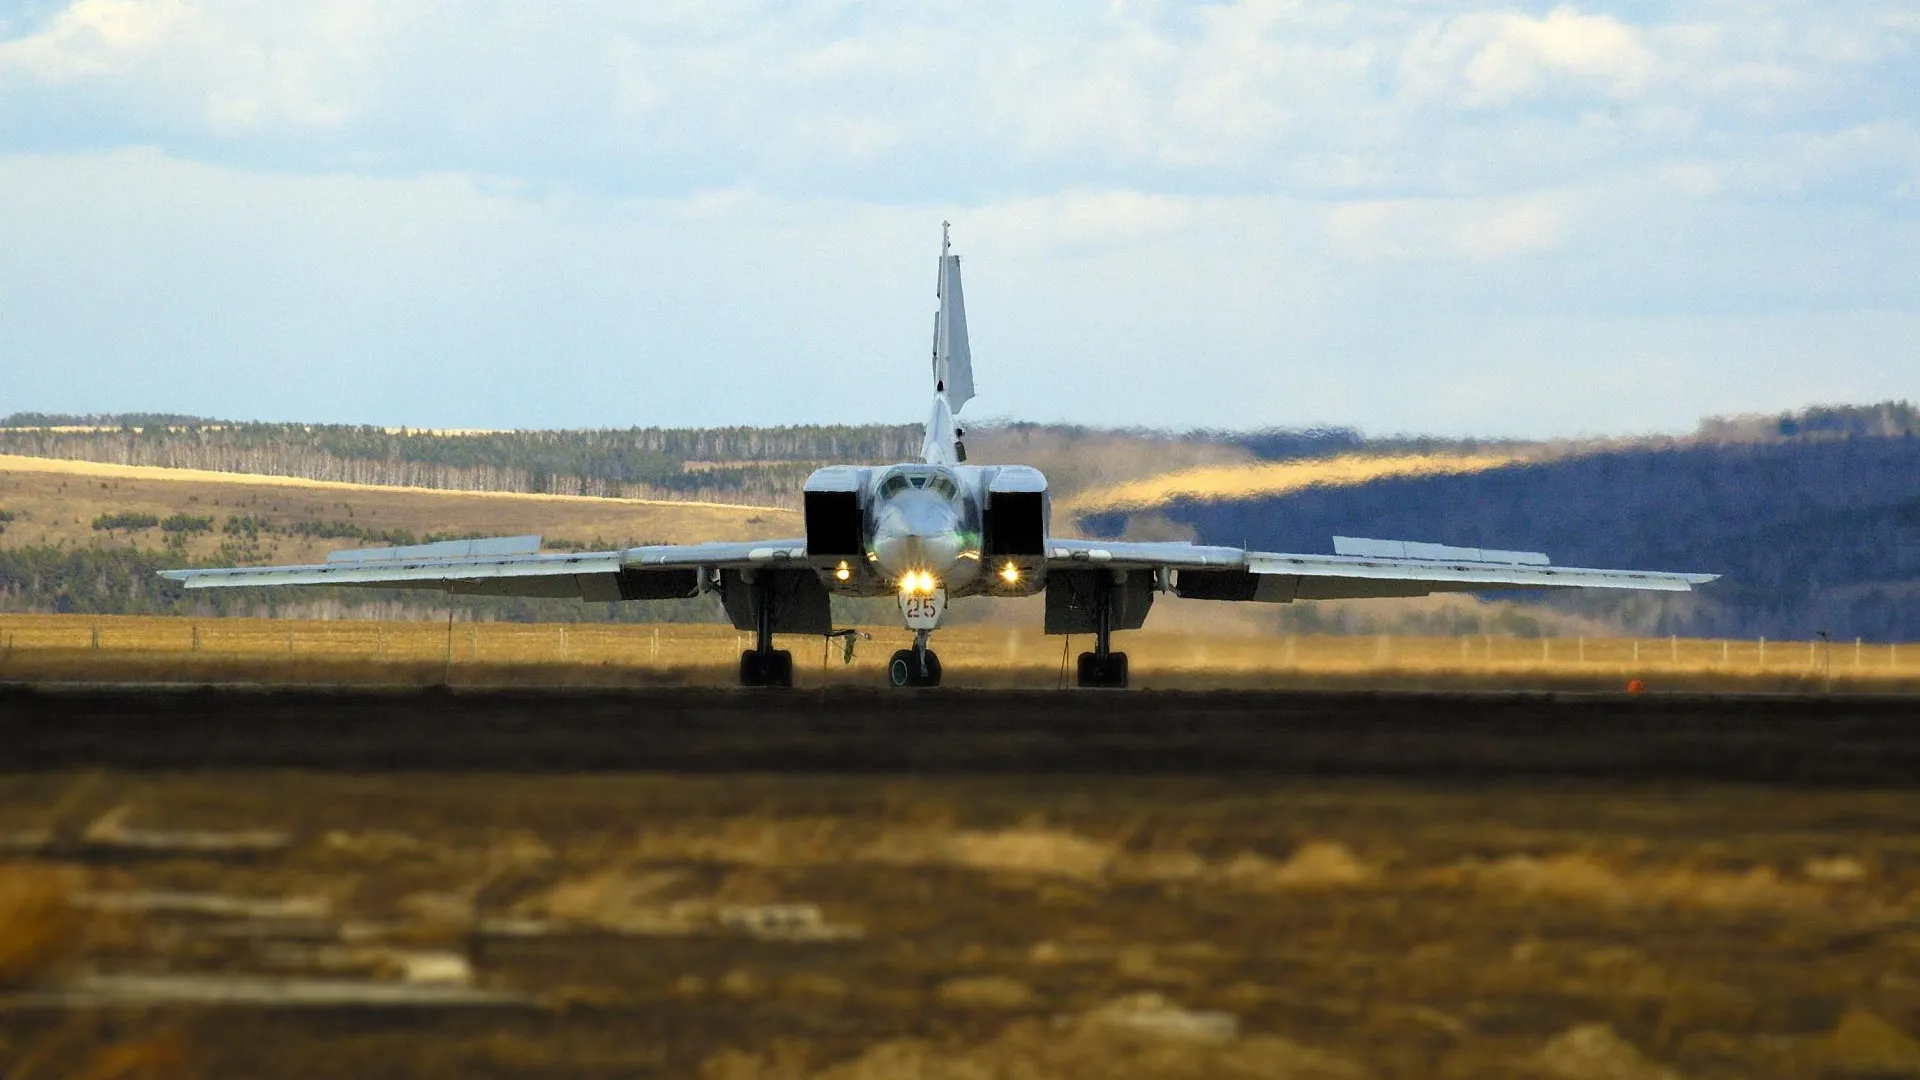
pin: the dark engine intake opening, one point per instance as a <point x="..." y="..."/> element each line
<point x="833" y="523"/>
<point x="1015" y="523"/>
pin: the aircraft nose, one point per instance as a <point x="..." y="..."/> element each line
<point x="918" y="534"/>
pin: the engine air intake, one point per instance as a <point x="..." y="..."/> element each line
<point x="1015" y="523"/>
<point x="833" y="523"/>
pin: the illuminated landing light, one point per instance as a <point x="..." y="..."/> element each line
<point x="917" y="581"/>
<point x="842" y="572"/>
<point x="1010" y="574"/>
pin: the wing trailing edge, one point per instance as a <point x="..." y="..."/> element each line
<point x="1230" y="573"/>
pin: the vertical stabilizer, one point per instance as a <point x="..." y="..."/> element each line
<point x="952" y="363"/>
<point x="952" y="359"/>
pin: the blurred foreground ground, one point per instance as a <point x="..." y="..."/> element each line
<point x="757" y="926"/>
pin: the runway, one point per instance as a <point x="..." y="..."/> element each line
<point x="1798" y="740"/>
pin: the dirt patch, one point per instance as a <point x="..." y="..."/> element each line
<point x="840" y="924"/>
<point x="1587" y="878"/>
<point x="39" y="927"/>
<point x="1595" y="1052"/>
<point x="1865" y="1045"/>
<point x="985" y="992"/>
<point x="1042" y="851"/>
<point x="1316" y="865"/>
<point x="1142" y="1035"/>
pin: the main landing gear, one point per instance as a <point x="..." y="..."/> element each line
<point x="764" y="665"/>
<point x="1103" y="668"/>
<point x="918" y="666"/>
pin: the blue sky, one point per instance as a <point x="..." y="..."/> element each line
<point x="1432" y="215"/>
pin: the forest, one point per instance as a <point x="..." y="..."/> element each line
<point x="738" y="464"/>
<point x="1809" y="535"/>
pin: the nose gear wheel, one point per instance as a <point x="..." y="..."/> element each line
<point x="911" y="667"/>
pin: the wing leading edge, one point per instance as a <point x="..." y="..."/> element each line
<point x="509" y="567"/>
<point x="1229" y="573"/>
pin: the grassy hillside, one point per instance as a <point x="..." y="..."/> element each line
<point x="1272" y="478"/>
<point x="752" y="465"/>
<point x="1810" y="535"/>
<point x="251" y="518"/>
<point x="760" y="466"/>
<point x="81" y="536"/>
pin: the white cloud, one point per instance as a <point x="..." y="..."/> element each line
<point x="1316" y="97"/>
<point x="95" y="37"/>
<point x="1496" y="58"/>
<point x="135" y="281"/>
<point x="1301" y="200"/>
<point x="234" y="68"/>
<point x="1080" y="222"/>
<point x="1476" y="229"/>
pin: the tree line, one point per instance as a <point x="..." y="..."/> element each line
<point x="739" y="464"/>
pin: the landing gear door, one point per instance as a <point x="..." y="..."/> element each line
<point x="923" y="611"/>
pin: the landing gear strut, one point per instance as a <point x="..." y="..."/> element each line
<point x="764" y="665"/>
<point x="1103" y="667"/>
<point x="918" y="666"/>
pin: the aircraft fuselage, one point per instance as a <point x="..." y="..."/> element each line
<point x="965" y="529"/>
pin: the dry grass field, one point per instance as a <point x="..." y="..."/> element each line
<point x="794" y="927"/>
<point x="89" y="648"/>
<point x="57" y="502"/>
<point x="1261" y="479"/>
<point x="1079" y="461"/>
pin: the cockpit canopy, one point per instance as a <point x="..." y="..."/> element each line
<point x="918" y="478"/>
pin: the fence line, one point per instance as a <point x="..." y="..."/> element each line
<point x="682" y="643"/>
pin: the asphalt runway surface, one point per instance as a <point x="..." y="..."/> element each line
<point x="1793" y="740"/>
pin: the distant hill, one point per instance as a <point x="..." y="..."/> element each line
<point x="1810" y="533"/>
<point x="761" y="466"/>
<point x="87" y="537"/>
<point x="766" y="466"/>
<point x="1811" y="514"/>
<point x="1886" y="420"/>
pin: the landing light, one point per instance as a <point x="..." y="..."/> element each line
<point x="917" y="581"/>
<point x="1010" y="574"/>
<point x="842" y="572"/>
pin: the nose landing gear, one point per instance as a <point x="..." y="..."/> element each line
<point x="918" y="666"/>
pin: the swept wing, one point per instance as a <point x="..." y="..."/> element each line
<point x="1364" y="568"/>
<point x="513" y="566"/>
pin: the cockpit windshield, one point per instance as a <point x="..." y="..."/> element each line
<point x="933" y="480"/>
